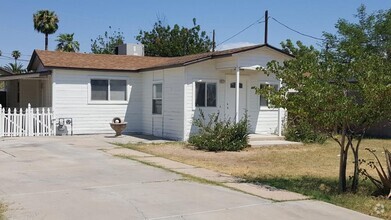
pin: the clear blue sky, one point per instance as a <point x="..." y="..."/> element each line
<point x="89" y="18"/>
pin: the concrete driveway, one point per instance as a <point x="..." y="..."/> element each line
<point x="70" y="178"/>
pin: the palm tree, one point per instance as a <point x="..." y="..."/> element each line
<point x="15" y="68"/>
<point x="66" y="43"/>
<point x="16" y="54"/>
<point x="45" y="22"/>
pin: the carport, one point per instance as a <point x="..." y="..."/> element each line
<point x="27" y="110"/>
<point x="29" y="88"/>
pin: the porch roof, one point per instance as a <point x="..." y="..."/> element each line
<point x="42" y="74"/>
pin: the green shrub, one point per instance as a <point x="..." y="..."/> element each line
<point x="300" y="131"/>
<point x="220" y="135"/>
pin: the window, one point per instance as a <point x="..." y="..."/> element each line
<point x="233" y="85"/>
<point x="108" y="90"/>
<point x="118" y="90"/>
<point x="263" y="101"/>
<point x="157" y="98"/>
<point x="206" y="94"/>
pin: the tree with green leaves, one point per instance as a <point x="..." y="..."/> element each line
<point x="342" y="89"/>
<point x="165" y="41"/>
<point x="16" y="68"/>
<point x="66" y="43"/>
<point x="16" y="54"/>
<point x="45" y="22"/>
<point x="107" y="43"/>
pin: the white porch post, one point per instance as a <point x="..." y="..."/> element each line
<point x="279" y="114"/>
<point x="237" y="94"/>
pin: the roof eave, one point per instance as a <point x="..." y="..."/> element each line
<point x="26" y="75"/>
<point x="95" y="69"/>
<point x="32" y="59"/>
<point x="7" y="73"/>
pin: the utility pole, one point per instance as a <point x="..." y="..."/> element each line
<point x="266" y="25"/>
<point x="214" y="41"/>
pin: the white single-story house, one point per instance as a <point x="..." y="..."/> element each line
<point x="154" y="95"/>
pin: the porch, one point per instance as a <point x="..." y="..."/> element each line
<point x="229" y="92"/>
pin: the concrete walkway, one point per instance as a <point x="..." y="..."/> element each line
<point x="265" y="192"/>
<point x="73" y="178"/>
<point x="260" y="140"/>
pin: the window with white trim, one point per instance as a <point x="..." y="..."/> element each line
<point x="263" y="101"/>
<point x="108" y="90"/>
<point x="205" y="94"/>
<point x="157" y="98"/>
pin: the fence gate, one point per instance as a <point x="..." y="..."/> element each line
<point x="26" y="122"/>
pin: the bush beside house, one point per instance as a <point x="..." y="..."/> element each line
<point x="220" y="135"/>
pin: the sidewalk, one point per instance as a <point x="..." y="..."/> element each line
<point x="262" y="191"/>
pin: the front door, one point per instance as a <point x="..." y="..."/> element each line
<point x="231" y="96"/>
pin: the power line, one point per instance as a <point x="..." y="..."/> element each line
<point x="243" y="30"/>
<point x="301" y="33"/>
<point x="10" y="58"/>
<point x="20" y="54"/>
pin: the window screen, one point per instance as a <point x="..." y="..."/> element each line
<point x="99" y="89"/>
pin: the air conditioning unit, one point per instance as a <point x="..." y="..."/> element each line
<point x="63" y="126"/>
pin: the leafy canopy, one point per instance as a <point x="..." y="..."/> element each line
<point x="45" y="22"/>
<point x="342" y="89"/>
<point x="16" y="54"/>
<point x="347" y="81"/>
<point x="107" y="43"/>
<point x="66" y="43"/>
<point x="166" y="41"/>
<point x="16" y="68"/>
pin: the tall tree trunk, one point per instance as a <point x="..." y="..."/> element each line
<point x="46" y="41"/>
<point x="342" y="162"/>
<point x="342" y="170"/>
<point x="356" y="164"/>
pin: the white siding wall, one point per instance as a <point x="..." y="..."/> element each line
<point x="205" y="71"/>
<point x="170" y="123"/>
<point x="70" y="99"/>
<point x="264" y="121"/>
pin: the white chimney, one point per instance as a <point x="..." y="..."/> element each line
<point x="131" y="49"/>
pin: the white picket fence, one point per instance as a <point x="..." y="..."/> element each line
<point x="26" y="122"/>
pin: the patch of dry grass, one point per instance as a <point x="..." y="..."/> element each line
<point x="310" y="169"/>
<point x="3" y="208"/>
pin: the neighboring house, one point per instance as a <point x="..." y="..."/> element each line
<point x="3" y="95"/>
<point x="155" y="95"/>
<point x="4" y="72"/>
<point x="380" y="130"/>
